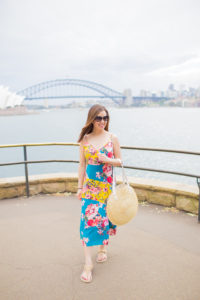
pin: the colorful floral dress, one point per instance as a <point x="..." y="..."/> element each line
<point x="95" y="227"/>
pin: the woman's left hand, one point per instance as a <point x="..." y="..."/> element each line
<point x="103" y="158"/>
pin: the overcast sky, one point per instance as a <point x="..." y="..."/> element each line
<point x="143" y="44"/>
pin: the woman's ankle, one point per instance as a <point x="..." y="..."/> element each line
<point x="102" y="247"/>
<point x="88" y="261"/>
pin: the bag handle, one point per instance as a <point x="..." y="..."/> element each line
<point x="124" y="177"/>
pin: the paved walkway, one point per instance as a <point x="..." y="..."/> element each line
<point x="154" y="257"/>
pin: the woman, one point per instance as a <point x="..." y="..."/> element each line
<point x="99" y="152"/>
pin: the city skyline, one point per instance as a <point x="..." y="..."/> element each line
<point x="10" y="99"/>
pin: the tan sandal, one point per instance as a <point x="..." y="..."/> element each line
<point x="88" y="270"/>
<point x="105" y="255"/>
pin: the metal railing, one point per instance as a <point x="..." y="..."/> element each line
<point x="25" y="162"/>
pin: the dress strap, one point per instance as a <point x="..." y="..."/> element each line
<point x="111" y="137"/>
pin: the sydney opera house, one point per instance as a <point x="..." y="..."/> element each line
<point x="9" y="99"/>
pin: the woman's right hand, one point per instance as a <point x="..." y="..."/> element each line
<point x="78" y="194"/>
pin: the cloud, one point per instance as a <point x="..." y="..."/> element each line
<point x="132" y="44"/>
<point x="187" y="71"/>
<point x="184" y="66"/>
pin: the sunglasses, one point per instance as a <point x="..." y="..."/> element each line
<point x="98" y="118"/>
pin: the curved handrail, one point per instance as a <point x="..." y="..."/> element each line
<point x="77" y="144"/>
<point x="26" y="162"/>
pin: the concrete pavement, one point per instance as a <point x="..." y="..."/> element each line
<point x="154" y="257"/>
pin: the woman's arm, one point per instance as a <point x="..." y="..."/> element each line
<point x="82" y="166"/>
<point x="116" y="161"/>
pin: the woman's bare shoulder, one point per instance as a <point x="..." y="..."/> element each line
<point x="115" y="140"/>
<point x="83" y="141"/>
<point x="113" y="135"/>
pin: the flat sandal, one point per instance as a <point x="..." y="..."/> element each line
<point x="105" y="257"/>
<point x="87" y="268"/>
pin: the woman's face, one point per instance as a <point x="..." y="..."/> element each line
<point x="100" y="120"/>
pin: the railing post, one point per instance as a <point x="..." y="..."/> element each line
<point x="198" y="182"/>
<point x="26" y="171"/>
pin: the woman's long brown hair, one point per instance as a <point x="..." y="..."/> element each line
<point x="92" y="113"/>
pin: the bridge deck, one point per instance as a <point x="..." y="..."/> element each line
<point x="155" y="256"/>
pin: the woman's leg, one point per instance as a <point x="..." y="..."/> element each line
<point x="88" y="256"/>
<point x="88" y="261"/>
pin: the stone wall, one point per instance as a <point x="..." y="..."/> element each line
<point x="181" y="196"/>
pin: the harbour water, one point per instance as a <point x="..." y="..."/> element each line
<point x="168" y="128"/>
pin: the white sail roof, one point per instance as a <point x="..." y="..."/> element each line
<point x="9" y="99"/>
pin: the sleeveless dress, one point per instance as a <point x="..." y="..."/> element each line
<point x="95" y="227"/>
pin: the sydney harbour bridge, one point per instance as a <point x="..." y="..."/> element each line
<point x="72" y="89"/>
<point x="77" y="88"/>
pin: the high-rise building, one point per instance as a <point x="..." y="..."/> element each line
<point x="128" y="97"/>
<point x="171" y="87"/>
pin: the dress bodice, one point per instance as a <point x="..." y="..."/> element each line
<point x="98" y="177"/>
<point x="91" y="152"/>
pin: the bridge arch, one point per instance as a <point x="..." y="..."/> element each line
<point x="33" y="92"/>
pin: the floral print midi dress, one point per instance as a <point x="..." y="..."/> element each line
<point x="95" y="227"/>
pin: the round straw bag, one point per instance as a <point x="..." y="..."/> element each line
<point x="122" y="203"/>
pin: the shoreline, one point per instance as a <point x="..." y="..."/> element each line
<point x="23" y="110"/>
<point x="18" y="110"/>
